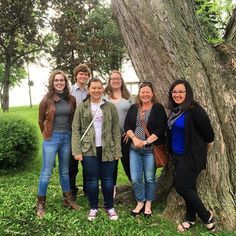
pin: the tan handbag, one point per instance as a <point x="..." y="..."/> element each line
<point x="159" y="151"/>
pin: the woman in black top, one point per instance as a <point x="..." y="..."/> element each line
<point x="189" y="137"/>
<point x="142" y="164"/>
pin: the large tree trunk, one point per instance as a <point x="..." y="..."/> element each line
<point x="165" y="42"/>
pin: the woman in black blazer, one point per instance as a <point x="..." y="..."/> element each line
<point x="189" y="137"/>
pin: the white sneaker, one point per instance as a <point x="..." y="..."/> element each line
<point x="112" y="214"/>
<point x="92" y="214"/>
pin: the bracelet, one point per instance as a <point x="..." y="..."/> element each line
<point x="132" y="137"/>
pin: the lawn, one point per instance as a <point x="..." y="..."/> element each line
<point x="18" y="190"/>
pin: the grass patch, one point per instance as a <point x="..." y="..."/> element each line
<point x="18" y="190"/>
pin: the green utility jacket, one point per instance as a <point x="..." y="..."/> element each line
<point x="111" y="147"/>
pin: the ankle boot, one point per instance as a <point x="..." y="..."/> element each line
<point x="40" y="207"/>
<point x="68" y="201"/>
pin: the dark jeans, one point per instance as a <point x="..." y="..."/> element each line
<point x="185" y="185"/>
<point x="95" y="169"/>
<point x="124" y="160"/>
<point x="73" y="171"/>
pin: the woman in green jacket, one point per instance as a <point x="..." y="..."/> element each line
<point x="96" y="142"/>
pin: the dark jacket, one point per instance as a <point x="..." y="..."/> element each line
<point x="47" y="111"/>
<point x="156" y="122"/>
<point x="197" y="133"/>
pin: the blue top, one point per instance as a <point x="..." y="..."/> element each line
<point x="177" y="135"/>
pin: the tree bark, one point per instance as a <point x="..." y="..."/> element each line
<point x="5" y="87"/>
<point x="165" y="42"/>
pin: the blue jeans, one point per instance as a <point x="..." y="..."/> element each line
<point x="143" y="174"/>
<point x="60" y="143"/>
<point x="94" y="169"/>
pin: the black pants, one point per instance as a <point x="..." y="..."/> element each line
<point x="73" y="171"/>
<point x="124" y="160"/>
<point x="185" y="185"/>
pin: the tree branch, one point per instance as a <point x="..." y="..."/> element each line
<point x="230" y="30"/>
<point x="14" y="60"/>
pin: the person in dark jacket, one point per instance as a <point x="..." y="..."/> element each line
<point x="56" y="111"/>
<point x="142" y="163"/>
<point x="189" y="138"/>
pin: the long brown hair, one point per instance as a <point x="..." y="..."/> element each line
<point x="124" y="91"/>
<point x="51" y="90"/>
<point x="189" y="100"/>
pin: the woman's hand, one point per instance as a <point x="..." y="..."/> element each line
<point x="78" y="157"/>
<point x="138" y="142"/>
<point x="152" y="138"/>
<point x="126" y="137"/>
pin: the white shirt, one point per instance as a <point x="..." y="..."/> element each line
<point x="97" y="124"/>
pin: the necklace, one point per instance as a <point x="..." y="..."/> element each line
<point x="147" y="107"/>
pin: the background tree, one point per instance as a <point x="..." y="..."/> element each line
<point x="18" y="73"/>
<point x="19" y="36"/>
<point x="213" y="16"/>
<point x="85" y="33"/>
<point x="165" y="41"/>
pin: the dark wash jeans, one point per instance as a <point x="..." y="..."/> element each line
<point x="185" y="185"/>
<point x="94" y="170"/>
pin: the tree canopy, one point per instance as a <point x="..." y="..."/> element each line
<point x="214" y="16"/>
<point x="85" y="32"/>
<point x="19" y="37"/>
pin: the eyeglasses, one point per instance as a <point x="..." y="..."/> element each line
<point x="178" y="92"/>
<point x="59" y="80"/>
<point x="117" y="79"/>
<point x="145" y="83"/>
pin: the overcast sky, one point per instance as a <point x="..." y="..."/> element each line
<point x="19" y="96"/>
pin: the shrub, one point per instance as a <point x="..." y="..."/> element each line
<point x="18" y="141"/>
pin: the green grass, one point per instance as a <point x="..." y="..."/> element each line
<point x="18" y="190"/>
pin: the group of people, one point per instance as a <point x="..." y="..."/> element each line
<point x="98" y="126"/>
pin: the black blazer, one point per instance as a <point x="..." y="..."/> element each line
<point x="156" y="122"/>
<point x="197" y="133"/>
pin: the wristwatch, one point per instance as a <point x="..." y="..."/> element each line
<point x="147" y="142"/>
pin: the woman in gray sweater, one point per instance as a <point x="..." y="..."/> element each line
<point x="117" y="93"/>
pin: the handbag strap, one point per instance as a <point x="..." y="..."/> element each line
<point x="143" y="123"/>
<point x="94" y="117"/>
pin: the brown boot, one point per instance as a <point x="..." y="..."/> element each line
<point x="40" y="207"/>
<point x="68" y="201"/>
